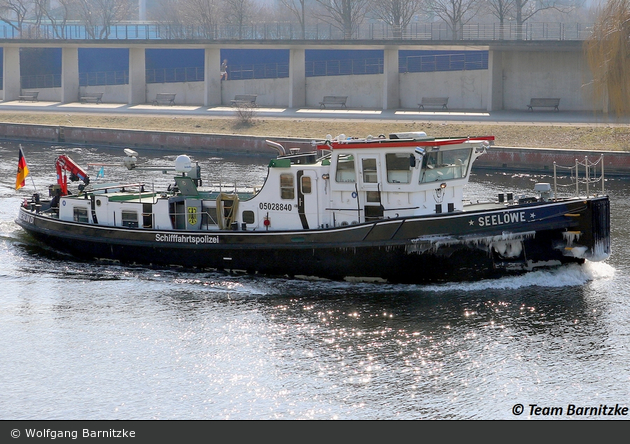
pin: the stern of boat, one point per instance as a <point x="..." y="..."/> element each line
<point x="591" y="238"/>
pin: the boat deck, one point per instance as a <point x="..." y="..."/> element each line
<point x="484" y="206"/>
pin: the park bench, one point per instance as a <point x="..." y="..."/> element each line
<point x="29" y="95"/>
<point x="164" y="98"/>
<point x="94" y="97"/>
<point x="433" y="101"/>
<point x="244" y="99"/>
<point x="333" y="100"/>
<point x="543" y="103"/>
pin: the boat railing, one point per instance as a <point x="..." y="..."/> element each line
<point x="585" y="175"/>
<point x="221" y="187"/>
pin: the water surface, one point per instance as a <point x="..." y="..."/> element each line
<point x="98" y="341"/>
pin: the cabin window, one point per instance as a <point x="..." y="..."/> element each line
<point x="248" y="217"/>
<point x="306" y="185"/>
<point x="287" y="188"/>
<point x="129" y="219"/>
<point x="80" y="214"/>
<point x="445" y="165"/>
<point x="369" y="170"/>
<point x="345" y="168"/>
<point x="398" y="168"/>
<point x="372" y="196"/>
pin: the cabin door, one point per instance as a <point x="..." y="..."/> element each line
<point x="308" y="209"/>
<point x="368" y="172"/>
<point x="369" y="188"/>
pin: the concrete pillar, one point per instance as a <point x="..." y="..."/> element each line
<point x="212" y="77"/>
<point x="137" y="76"/>
<point x="142" y="10"/>
<point x="495" y="80"/>
<point x="69" y="74"/>
<point x="391" y="79"/>
<point x="11" y="72"/>
<point x="297" y="78"/>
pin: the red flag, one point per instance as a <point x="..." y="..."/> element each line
<point x="22" y="171"/>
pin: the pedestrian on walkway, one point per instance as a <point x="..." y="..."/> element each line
<point x="224" y="74"/>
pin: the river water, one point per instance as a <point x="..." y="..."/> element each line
<point x="97" y="341"/>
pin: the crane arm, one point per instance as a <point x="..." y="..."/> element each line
<point x="65" y="164"/>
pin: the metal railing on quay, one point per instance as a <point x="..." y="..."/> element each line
<point x="104" y="78"/>
<point x="41" y="81"/>
<point x="173" y="75"/>
<point x="439" y="31"/>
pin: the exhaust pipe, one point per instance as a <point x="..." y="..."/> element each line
<point x="277" y="147"/>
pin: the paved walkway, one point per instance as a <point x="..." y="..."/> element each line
<point x="542" y="117"/>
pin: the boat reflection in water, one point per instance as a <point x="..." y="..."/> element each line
<point x="389" y="209"/>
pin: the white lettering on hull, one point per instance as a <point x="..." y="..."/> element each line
<point x="28" y="218"/>
<point x="508" y="217"/>
<point x="187" y="238"/>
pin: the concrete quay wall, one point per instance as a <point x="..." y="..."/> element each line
<point x="466" y="90"/>
<point x="516" y="72"/>
<point x="509" y="159"/>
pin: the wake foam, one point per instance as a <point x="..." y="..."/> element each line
<point x="565" y="276"/>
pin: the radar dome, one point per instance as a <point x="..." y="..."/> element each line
<point x="183" y="164"/>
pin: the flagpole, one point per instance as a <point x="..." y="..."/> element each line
<point x="33" y="183"/>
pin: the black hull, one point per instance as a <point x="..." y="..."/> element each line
<point x="448" y="247"/>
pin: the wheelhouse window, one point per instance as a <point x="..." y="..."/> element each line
<point x="398" y="168"/>
<point x="80" y="214"/>
<point x="445" y="165"/>
<point x="369" y="170"/>
<point x="287" y="187"/>
<point x="306" y="185"/>
<point x="129" y="219"/>
<point x="248" y="217"/>
<point x="345" y="168"/>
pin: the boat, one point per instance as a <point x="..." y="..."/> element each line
<point x="376" y="208"/>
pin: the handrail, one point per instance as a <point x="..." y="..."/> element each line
<point x="439" y="31"/>
<point x="591" y="175"/>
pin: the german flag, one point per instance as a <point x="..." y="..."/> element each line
<point x="22" y="171"/>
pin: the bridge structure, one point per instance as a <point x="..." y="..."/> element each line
<point x="518" y="70"/>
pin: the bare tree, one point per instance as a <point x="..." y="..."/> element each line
<point x="345" y="15"/>
<point x="204" y="14"/>
<point x="297" y="9"/>
<point x="607" y="52"/>
<point x="502" y="10"/>
<point x="59" y="15"/>
<point x="454" y="12"/>
<point x="238" y="13"/>
<point x="526" y="9"/>
<point x="98" y="16"/>
<point x="15" y="12"/>
<point x="396" y="13"/>
<point x="168" y="12"/>
<point x="189" y="18"/>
